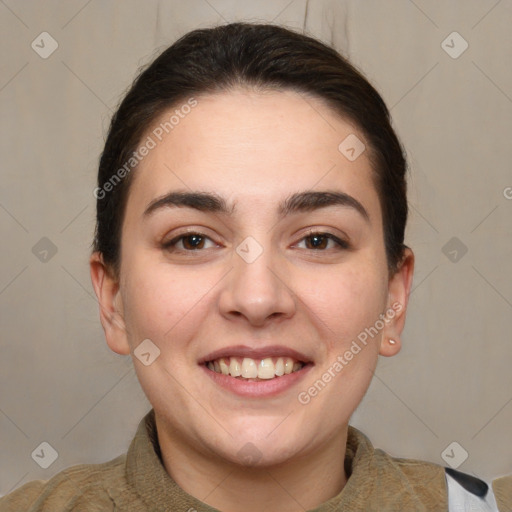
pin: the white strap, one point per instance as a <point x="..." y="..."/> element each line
<point x="460" y="500"/>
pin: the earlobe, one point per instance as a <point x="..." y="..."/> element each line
<point x="106" y="287"/>
<point x="390" y="346"/>
<point x="399" y="289"/>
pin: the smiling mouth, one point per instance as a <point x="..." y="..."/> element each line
<point x="255" y="370"/>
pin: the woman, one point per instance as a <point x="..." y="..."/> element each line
<point x="249" y="255"/>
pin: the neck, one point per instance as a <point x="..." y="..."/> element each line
<point x="299" y="484"/>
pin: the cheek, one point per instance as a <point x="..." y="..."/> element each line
<point x="348" y="309"/>
<point x="162" y="303"/>
<point x="344" y="301"/>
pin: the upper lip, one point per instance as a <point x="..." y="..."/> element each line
<point x="255" y="353"/>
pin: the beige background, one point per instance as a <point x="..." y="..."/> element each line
<point x="452" y="381"/>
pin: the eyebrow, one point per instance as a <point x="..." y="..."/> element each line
<point x="202" y="201"/>
<point x="298" y="202"/>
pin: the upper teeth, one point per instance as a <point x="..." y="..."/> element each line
<point x="248" y="368"/>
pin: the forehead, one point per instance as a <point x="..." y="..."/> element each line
<point x="252" y="146"/>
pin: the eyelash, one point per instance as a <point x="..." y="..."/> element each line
<point x="170" y="245"/>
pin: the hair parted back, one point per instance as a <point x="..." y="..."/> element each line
<point x="257" y="56"/>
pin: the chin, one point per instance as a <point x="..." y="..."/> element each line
<point x="261" y="444"/>
<point x="257" y="454"/>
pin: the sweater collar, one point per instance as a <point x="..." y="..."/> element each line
<point x="376" y="481"/>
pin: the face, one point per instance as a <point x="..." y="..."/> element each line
<point x="251" y="244"/>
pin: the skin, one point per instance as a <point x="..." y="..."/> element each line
<point x="254" y="149"/>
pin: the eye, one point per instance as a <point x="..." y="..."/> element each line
<point x="320" y="241"/>
<point x="188" y="242"/>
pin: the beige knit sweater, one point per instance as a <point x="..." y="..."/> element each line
<point x="138" y="482"/>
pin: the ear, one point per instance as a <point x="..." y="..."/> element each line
<point x="399" y="289"/>
<point x="106" y="287"/>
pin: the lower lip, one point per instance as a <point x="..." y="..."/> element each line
<point x="261" y="388"/>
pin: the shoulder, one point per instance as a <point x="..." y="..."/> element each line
<point x="81" y="487"/>
<point x="502" y="488"/>
<point x="403" y="484"/>
<point x="424" y="481"/>
<point x="462" y="491"/>
<point x="411" y="484"/>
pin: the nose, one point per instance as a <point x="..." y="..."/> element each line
<point x="257" y="291"/>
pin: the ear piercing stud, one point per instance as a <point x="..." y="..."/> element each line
<point x="392" y="342"/>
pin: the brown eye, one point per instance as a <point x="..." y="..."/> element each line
<point x="188" y="242"/>
<point x="317" y="241"/>
<point x="320" y="241"/>
<point x="193" y="242"/>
